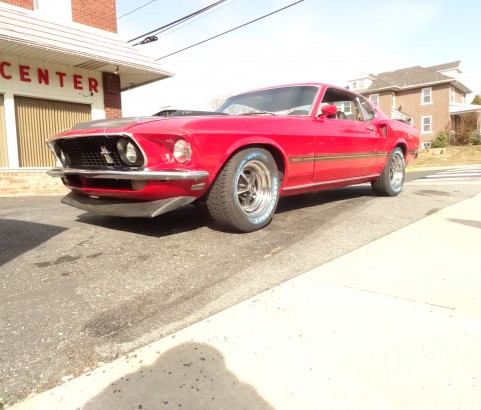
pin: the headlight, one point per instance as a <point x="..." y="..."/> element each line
<point x="129" y="152"/>
<point x="62" y="155"/>
<point x="182" y="151"/>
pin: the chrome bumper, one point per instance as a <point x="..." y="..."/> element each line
<point x="143" y="175"/>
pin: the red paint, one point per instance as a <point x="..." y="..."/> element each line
<point x="27" y="74"/>
<point x="61" y="77"/>
<point x="314" y="151"/>
<point x="93" y="85"/>
<point x="43" y="77"/>
<point x="24" y="72"/>
<point x="4" y="64"/>
<point x="77" y="82"/>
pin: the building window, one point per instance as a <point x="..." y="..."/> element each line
<point x="374" y="98"/>
<point x="426" y="95"/>
<point x="354" y="85"/>
<point x="426" y="125"/>
<point x="453" y="94"/>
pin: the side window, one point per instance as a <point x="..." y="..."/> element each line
<point x="368" y="112"/>
<point x="347" y="107"/>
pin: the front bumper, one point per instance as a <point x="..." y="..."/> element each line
<point x="125" y="208"/>
<point x="143" y="175"/>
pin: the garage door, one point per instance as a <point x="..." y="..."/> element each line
<point x="39" y="119"/>
<point x="3" y="136"/>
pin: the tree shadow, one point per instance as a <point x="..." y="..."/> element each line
<point x="188" y="376"/>
<point x="18" y="237"/>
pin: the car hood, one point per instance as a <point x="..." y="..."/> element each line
<point x="172" y="124"/>
<point x="178" y="118"/>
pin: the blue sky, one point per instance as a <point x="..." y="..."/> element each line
<point x="315" y="40"/>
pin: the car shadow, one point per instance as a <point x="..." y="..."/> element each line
<point x="190" y="217"/>
<point x="185" y="219"/>
<point x="18" y="237"/>
<point x="295" y="202"/>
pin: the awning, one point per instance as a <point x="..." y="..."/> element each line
<point x="457" y="108"/>
<point x="23" y="34"/>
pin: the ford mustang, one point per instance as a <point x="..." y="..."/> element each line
<point x="239" y="159"/>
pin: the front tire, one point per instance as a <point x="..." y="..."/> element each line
<point x="391" y="180"/>
<point x="245" y="194"/>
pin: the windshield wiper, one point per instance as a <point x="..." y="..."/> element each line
<point x="259" y="112"/>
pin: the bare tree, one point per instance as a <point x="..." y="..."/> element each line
<point x="218" y="100"/>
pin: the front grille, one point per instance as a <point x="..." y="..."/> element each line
<point x="92" y="152"/>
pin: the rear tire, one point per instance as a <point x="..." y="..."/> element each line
<point x="391" y="180"/>
<point x="245" y="194"/>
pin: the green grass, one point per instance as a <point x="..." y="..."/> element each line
<point x="466" y="155"/>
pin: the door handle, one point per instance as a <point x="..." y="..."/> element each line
<point x="371" y="128"/>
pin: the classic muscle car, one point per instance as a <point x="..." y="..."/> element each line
<point x="239" y="159"/>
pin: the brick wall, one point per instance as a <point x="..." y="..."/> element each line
<point x="112" y="97"/>
<point x="29" y="183"/>
<point x="410" y="100"/>
<point x="385" y="102"/>
<point x="26" y="4"/>
<point x="95" y="13"/>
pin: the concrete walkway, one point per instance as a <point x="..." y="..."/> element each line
<point x="395" y="324"/>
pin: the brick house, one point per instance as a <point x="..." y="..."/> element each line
<point x="430" y="98"/>
<point x="61" y="63"/>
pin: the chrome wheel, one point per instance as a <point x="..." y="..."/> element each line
<point x="254" y="188"/>
<point x="391" y="180"/>
<point x="396" y="171"/>
<point x="244" y="195"/>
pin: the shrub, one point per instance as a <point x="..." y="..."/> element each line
<point x="441" y="141"/>
<point x="475" y="138"/>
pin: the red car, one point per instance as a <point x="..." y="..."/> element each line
<point x="239" y="159"/>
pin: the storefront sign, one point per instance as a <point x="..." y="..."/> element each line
<point x="27" y="74"/>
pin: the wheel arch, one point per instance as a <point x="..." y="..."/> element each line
<point x="276" y="152"/>
<point x="403" y="146"/>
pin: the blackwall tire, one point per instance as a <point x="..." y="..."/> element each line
<point x="391" y="180"/>
<point x="245" y="194"/>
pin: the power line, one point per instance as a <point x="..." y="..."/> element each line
<point x="229" y="31"/>
<point x="126" y="6"/>
<point x="138" y="8"/>
<point x="171" y="30"/>
<point x="178" y="21"/>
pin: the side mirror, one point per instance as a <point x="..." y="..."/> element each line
<point x="328" y="110"/>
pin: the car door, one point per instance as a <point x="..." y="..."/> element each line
<point x="347" y="144"/>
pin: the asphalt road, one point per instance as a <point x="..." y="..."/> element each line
<point x="77" y="289"/>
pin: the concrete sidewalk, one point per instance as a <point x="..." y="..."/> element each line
<point x="395" y="324"/>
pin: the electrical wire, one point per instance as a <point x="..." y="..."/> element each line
<point x="171" y="29"/>
<point x="176" y="22"/>
<point x="229" y="31"/>
<point x="138" y="8"/>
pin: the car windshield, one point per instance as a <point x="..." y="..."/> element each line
<point x="295" y="100"/>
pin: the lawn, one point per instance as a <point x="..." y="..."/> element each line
<point x="451" y="155"/>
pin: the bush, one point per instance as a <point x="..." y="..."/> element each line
<point x="475" y="138"/>
<point x="441" y="141"/>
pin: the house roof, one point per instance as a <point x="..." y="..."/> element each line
<point x="446" y="66"/>
<point x="414" y="77"/>
<point x="23" y="34"/>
